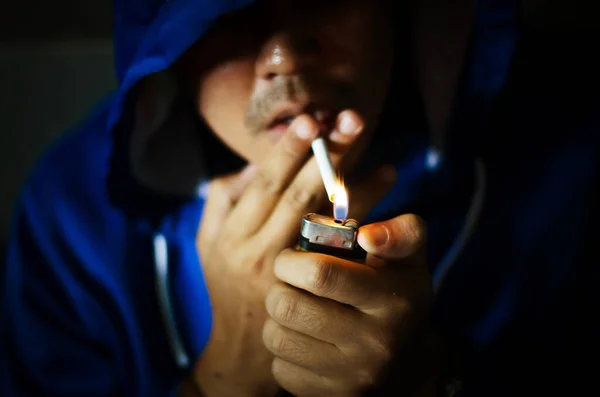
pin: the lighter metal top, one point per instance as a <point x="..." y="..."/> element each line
<point x="324" y="230"/>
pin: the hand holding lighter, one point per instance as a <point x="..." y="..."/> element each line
<point x="326" y="235"/>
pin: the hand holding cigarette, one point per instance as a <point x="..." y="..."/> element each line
<point x="248" y="220"/>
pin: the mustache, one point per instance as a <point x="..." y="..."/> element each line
<point x="335" y="95"/>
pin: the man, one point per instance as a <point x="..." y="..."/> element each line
<point x="153" y="254"/>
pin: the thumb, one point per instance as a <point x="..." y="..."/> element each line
<point x="397" y="238"/>
<point x="223" y="193"/>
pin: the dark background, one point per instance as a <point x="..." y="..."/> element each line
<point x="56" y="62"/>
<point x="55" y="19"/>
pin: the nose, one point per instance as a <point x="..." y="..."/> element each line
<point x="284" y="54"/>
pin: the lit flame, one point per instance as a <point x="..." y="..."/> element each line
<point x="340" y="202"/>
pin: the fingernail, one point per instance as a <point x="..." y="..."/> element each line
<point x="348" y="125"/>
<point x="388" y="173"/>
<point x="305" y="131"/>
<point x="378" y="235"/>
<point x="338" y="137"/>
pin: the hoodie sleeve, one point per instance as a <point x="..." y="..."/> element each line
<point x="50" y="346"/>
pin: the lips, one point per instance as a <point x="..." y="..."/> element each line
<point x="284" y="115"/>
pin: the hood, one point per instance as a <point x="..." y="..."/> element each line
<point x="147" y="158"/>
<point x="164" y="154"/>
<point x="160" y="161"/>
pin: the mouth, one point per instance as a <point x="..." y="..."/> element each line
<point x="283" y="116"/>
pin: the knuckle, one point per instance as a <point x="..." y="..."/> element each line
<point x="298" y="197"/>
<point x="256" y="264"/>
<point x="284" y="345"/>
<point x="227" y="252"/>
<point x="268" y="182"/>
<point x="279" y="342"/>
<point x="415" y="230"/>
<point x="286" y="308"/>
<point x="323" y="277"/>
<point x="241" y="259"/>
<point x="227" y="246"/>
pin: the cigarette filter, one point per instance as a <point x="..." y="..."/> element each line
<point x="326" y="235"/>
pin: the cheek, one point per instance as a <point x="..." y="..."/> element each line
<point x="223" y="93"/>
<point x="229" y="84"/>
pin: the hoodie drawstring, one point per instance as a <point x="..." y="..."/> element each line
<point x="161" y="264"/>
<point x="471" y="219"/>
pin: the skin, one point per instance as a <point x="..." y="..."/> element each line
<point x="261" y="57"/>
<point x="313" y="324"/>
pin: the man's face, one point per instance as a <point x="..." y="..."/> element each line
<point x="260" y="67"/>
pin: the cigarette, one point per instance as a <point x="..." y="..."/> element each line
<point x="319" y="148"/>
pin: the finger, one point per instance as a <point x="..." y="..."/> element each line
<point x="306" y="192"/>
<point x="274" y="175"/>
<point x="222" y="195"/>
<point x="319" y="318"/>
<point x="303" y="350"/>
<point x="348" y="126"/>
<point x="367" y="194"/>
<point x="302" y="382"/>
<point x="397" y="238"/>
<point x="340" y="280"/>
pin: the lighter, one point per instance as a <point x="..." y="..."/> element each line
<point x="333" y="236"/>
<point x="327" y="235"/>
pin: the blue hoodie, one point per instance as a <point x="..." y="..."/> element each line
<point x="104" y="292"/>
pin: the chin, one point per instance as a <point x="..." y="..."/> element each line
<point x="255" y="150"/>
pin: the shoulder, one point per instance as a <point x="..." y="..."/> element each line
<point x="64" y="213"/>
<point x="74" y="164"/>
<point x="77" y="273"/>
